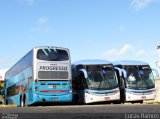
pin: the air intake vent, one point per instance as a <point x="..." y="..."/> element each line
<point x="52" y="75"/>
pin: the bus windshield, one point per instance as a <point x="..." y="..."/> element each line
<point x="101" y="77"/>
<point x="139" y="77"/>
<point x="52" y="54"/>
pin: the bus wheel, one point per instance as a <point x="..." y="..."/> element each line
<point x="141" y="102"/>
<point x="76" y="99"/>
<point x="6" y="102"/>
<point x="116" y="102"/>
<point x="122" y="101"/>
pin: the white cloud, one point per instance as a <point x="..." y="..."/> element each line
<point x="111" y="53"/>
<point x="28" y="2"/>
<point x="141" y="53"/>
<point x="128" y="51"/>
<point x="42" y="20"/>
<point x="140" y="4"/>
<point x="41" y="25"/>
<point x="125" y="49"/>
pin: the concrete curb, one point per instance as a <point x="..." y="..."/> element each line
<point x="152" y="102"/>
<point x="1" y="106"/>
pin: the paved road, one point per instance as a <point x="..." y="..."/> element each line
<point x="123" y="111"/>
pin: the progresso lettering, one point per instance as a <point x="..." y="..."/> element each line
<point x="58" y="68"/>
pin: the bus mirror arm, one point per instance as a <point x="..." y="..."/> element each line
<point x="119" y="70"/>
<point x="84" y="72"/>
<point x="122" y="72"/>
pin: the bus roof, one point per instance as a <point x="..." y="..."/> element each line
<point x="50" y="47"/>
<point x="129" y="62"/>
<point x="91" y="62"/>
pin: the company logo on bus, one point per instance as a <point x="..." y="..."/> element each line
<point x="56" y="68"/>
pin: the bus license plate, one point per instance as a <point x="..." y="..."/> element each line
<point x="54" y="99"/>
<point x="143" y="97"/>
<point x="107" y="98"/>
<point x="52" y="86"/>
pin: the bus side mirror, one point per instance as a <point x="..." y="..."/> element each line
<point x="121" y="72"/>
<point x="84" y="73"/>
<point x="155" y="73"/>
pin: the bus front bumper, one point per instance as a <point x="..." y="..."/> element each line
<point x="139" y="97"/>
<point x="93" y="98"/>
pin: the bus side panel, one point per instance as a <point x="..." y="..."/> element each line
<point x="30" y="93"/>
<point x="14" y="100"/>
<point x="16" y="80"/>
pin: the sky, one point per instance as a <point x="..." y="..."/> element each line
<point x="90" y="29"/>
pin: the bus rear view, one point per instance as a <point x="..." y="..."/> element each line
<point x="53" y="75"/>
<point x="42" y="75"/>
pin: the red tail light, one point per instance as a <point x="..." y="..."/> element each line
<point x="115" y="91"/>
<point x="152" y="91"/>
<point x="36" y="81"/>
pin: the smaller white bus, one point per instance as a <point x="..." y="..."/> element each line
<point x="94" y="81"/>
<point x="136" y="81"/>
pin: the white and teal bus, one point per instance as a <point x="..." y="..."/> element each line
<point x="136" y="81"/>
<point x="94" y="81"/>
<point x="42" y="75"/>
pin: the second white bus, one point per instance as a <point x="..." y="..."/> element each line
<point x="94" y="81"/>
<point x="136" y="81"/>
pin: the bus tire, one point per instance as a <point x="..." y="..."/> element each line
<point x="117" y="102"/>
<point x="141" y="102"/>
<point x="122" y="101"/>
<point x="6" y="102"/>
<point x="76" y="99"/>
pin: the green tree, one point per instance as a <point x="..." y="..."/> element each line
<point x="1" y="87"/>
